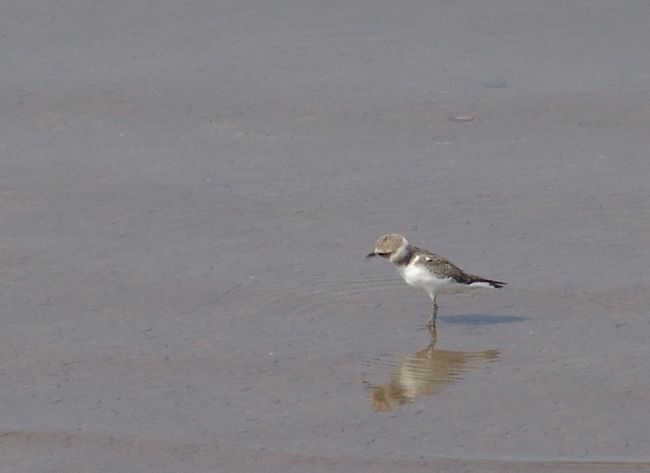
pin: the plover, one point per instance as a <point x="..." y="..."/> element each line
<point x="425" y="270"/>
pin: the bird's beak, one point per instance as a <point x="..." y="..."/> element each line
<point x="370" y="255"/>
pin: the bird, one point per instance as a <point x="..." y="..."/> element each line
<point x="425" y="270"/>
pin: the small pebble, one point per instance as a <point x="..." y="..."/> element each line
<point x="494" y="83"/>
<point x="462" y="118"/>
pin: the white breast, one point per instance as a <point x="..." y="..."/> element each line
<point x="415" y="275"/>
<point x="418" y="276"/>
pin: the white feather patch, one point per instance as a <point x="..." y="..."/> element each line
<point x="481" y="284"/>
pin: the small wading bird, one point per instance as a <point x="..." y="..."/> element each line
<point x="423" y="269"/>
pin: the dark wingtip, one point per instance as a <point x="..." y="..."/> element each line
<point x="370" y="255"/>
<point x="491" y="282"/>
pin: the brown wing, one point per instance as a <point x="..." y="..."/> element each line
<point x="445" y="268"/>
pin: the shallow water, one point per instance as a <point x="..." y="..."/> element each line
<point x="424" y="373"/>
<point x="188" y="192"/>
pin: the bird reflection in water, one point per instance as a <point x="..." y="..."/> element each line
<point x="424" y="373"/>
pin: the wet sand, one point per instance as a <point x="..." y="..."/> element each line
<point x="189" y="189"/>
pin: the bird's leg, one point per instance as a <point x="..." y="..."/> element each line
<point x="434" y="313"/>
<point x="434" y="334"/>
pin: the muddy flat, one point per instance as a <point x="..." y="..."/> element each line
<point x="188" y="191"/>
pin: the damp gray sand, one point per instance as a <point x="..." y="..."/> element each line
<point x="188" y="190"/>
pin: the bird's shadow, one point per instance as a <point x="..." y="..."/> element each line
<point x="481" y="319"/>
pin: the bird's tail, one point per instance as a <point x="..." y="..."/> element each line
<point x="490" y="282"/>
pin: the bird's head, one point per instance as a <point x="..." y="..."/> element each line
<point x="390" y="246"/>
